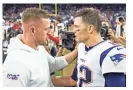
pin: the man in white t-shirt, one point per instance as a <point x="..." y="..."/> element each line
<point x="28" y="64"/>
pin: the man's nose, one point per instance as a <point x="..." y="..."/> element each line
<point x="75" y="33"/>
<point x="48" y="31"/>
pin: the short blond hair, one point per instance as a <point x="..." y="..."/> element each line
<point x="34" y="14"/>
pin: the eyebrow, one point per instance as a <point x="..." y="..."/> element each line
<point x="46" y="28"/>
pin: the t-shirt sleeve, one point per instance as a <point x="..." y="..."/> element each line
<point x="56" y="63"/>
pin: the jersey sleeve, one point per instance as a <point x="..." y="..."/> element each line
<point x="115" y="80"/>
<point x="74" y="74"/>
<point x="15" y="74"/>
<point x="115" y="61"/>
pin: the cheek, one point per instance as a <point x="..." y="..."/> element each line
<point x="83" y="35"/>
<point x="41" y="36"/>
<point x="80" y="34"/>
<point x="45" y="34"/>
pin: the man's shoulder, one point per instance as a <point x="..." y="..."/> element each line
<point x="21" y="60"/>
<point x="20" y="56"/>
<point x="113" y="54"/>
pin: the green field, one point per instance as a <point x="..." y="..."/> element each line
<point x="57" y="73"/>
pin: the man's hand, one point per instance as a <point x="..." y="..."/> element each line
<point x="111" y="34"/>
<point x="64" y="82"/>
<point x="120" y="40"/>
<point x="71" y="56"/>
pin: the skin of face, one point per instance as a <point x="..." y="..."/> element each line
<point x="80" y="29"/>
<point x="42" y="30"/>
<point x="38" y="31"/>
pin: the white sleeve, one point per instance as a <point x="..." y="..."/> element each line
<point x="15" y="74"/>
<point x="115" y="61"/>
<point x="56" y="63"/>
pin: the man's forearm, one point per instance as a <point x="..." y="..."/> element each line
<point x="71" y="56"/>
<point x="64" y="82"/>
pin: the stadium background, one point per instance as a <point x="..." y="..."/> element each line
<point x="12" y="20"/>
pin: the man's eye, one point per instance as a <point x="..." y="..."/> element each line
<point x="51" y="27"/>
<point x="78" y="30"/>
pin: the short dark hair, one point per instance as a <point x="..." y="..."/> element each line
<point x="121" y="19"/>
<point x="90" y="16"/>
<point x="34" y="13"/>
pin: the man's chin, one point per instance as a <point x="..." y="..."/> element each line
<point x="43" y="43"/>
<point x="77" y="40"/>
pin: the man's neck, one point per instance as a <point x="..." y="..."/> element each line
<point x="94" y="41"/>
<point x="28" y="42"/>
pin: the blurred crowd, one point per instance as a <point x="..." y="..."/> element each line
<point x="15" y="10"/>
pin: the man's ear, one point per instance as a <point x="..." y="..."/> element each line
<point x="32" y="29"/>
<point x="90" y="28"/>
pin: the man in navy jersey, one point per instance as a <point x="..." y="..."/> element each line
<point x="100" y="63"/>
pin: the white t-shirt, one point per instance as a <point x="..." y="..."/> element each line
<point x="26" y="67"/>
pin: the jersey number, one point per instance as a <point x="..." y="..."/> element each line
<point x="87" y="75"/>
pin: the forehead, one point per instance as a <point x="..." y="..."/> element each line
<point x="45" y="22"/>
<point x="78" y="21"/>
